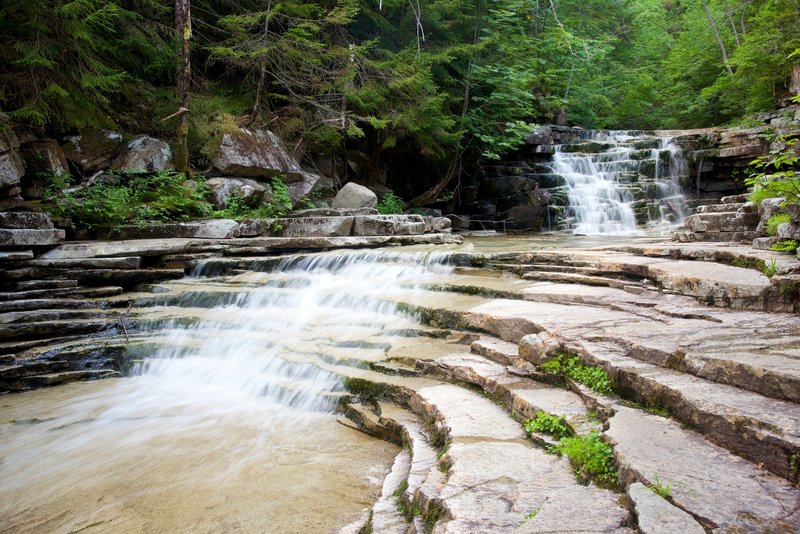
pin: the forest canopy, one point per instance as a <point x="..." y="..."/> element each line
<point x="422" y="86"/>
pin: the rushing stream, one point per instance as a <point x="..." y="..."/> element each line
<point x="226" y="422"/>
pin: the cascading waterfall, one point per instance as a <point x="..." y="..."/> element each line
<point x="618" y="181"/>
<point x="235" y="363"/>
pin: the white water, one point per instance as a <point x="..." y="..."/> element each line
<point x="601" y="185"/>
<point x="213" y="402"/>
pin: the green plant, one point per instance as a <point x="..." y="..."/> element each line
<point x="590" y="456"/>
<point x="553" y="425"/>
<point x="571" y="366"/>
<point x="531" y="515"/>
<point x="776" y="220"/>
<point x="786" y="245"/>
<point x="390" y="204"/>
<point x="770" y="269"/>
<point x="774" y="175"/>
<point x="280" y="205"/>
<point x="662" y="489"/>
<point x="133" y="198"/>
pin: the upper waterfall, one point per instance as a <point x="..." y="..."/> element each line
<point x="617" y="181"/>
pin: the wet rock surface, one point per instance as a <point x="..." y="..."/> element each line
<point x="702" y="354"/>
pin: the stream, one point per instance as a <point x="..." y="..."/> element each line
<point x="225" y="420"/>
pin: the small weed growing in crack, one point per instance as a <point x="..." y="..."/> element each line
<point x="547" y="423"/>
<point x="531" y="515"/>
<point x="591" y="458"/>
<point x="662" y="489"/>
<point x="571" y="366"/>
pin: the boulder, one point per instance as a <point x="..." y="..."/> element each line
<point x="222" y="189"/>
<point x="256" y="154"/>
<point x="92" y="150"/>
<point x="354" y="196"/>
<point x="144" y="153"/>
<point x="766" y="209"/>
<point x="12" y="166"/>
<point x="789" y="231"/>
<point x="44" y="160"/>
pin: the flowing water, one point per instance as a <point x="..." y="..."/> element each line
<point x="618" y="181"/>
<point x="225" y="422"/>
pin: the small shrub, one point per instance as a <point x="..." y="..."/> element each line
<point x="775" y="221"/>
<point x="391" y="204"/>
<point x="553" y="425"/>
<point x="281" y="204"/>
<point x="590" y="456"/>
<point x="133" y="198"/>
<point x="774" y="175"/>
<point x="571" y="366"/>
<point x="786" y="245"/>
<point x="770" y="269"/>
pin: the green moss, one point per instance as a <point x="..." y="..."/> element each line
<point x="364" y="389"/>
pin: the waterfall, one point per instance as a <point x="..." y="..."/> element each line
<point x="230" y="375"/>
<point x="618" y="181"/>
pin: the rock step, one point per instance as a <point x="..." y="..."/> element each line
<point x="763" y="430"/>
<point x="385" y="516"/>
<point x="497" y="481"/>
<point x="41" y="304"/>
<point x="43" y="284"/>
<point x="63" y="314"/>
<point x="10" y="331"/>
<point x="423" y="480"/>
<point x="522" y="396"/>
<point x="655" y="515"/>
<point x="575" y="278"/>
<point x="497" y="350"/>
<point x="54" y="379"/>
<point x="656" y="450"/>
<point x="521" y="269"/>
<point x="727" y="208"/>
<point x="722" y="491"/>
<point x="15" y="255"/>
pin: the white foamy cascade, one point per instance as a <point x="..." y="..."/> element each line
<point x="254" y="350"/>
<point x="614" y="183"/>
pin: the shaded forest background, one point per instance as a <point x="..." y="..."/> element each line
<point x="394" y="89"/>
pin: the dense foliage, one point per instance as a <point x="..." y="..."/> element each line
<point x="387" y="89"/>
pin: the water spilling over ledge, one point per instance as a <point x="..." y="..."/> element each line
<point x="617" y="182"/>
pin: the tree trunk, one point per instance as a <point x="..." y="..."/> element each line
<point x="263" y="74"/>
<point x="718" y="37"/>
<point x="183" y="25"/>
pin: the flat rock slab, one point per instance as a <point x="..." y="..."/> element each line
<point x="657" y="516"/>
<point x="30" y="238"/>
<point x="514" y="487"/>
<point x="721" y="489"/>
<point x="159" y="247"/>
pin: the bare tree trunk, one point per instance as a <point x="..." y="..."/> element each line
<point x="183" y="24"/>
<point x="717" y="36"/>
<point x="733" y="26"/>
<point x="263" y="75"/>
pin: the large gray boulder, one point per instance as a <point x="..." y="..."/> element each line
<point x="221" y="190"/>
<point x="92" y="150"/>
<point x="145" y="153"/>
<point x="256" y="154"/>
<point x="354" y="196"/>
<point x="12" y="166"/>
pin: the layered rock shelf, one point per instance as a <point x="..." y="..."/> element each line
<point x="701" y="349"/>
